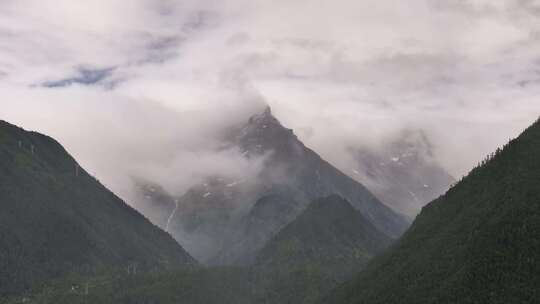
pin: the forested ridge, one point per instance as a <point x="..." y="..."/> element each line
<point x="55" y="219"/>
<point x="479" y="243"/>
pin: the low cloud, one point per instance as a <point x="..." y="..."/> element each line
<point x="146" y="87"/>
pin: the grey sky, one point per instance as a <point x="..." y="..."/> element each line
<point x="144" y="86"/>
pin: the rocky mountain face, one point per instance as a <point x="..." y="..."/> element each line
<point x="476" y="244"/>
<point x="403" y="173"/>
<point x="223" y="221"/>
<point x="55" y="219"/>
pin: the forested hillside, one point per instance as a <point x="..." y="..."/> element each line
<point x="57" y="219"/>
<point x="477" y="244"/>
<point x="326" y="244"/>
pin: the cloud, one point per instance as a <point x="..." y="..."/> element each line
<point x="118" y="138"/>
<point x="145" y="86"/>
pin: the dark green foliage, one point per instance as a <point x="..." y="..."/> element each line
<point x="327" y="243"/>
<point x="331" y="241"/>
<point x="331" y="231"/>
<point x="479" y="243"/>
<point x="55" y="218"/>
<point x="190" y="286"/>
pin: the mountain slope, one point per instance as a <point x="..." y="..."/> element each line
<point x="330" y="230"/>
<point x="322" y="247"/>
<point x="313" y="177"/>
<point x="215" y="220"/>
<point x="270" y="213"/>
<point x="477" y="244"/>
<point x="55" y="218"/>
<point x="403" y="173"/>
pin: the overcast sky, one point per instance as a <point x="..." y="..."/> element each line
<point x="143" y="86"/>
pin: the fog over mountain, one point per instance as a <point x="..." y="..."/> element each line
<point x="226" y="220"/>
<point x="147" y="87"/>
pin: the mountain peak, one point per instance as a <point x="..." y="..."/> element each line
<point x="264" y="133"/>
<point x="268" y="110"/>
<point x="265" y="117"/>
<point x="291" y="176"/>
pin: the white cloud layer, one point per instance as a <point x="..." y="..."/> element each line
<point x="341" y="73"/>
